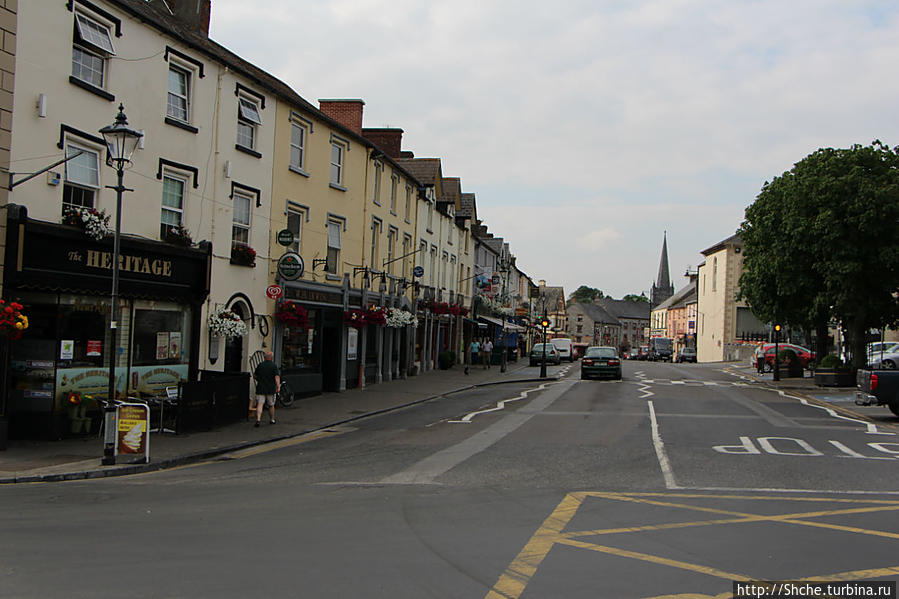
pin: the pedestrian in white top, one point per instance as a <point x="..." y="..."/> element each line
<point x="488" y="352"/>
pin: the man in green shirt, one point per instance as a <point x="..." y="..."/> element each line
<point x="268" y="384"/>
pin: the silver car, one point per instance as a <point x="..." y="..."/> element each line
<point x="552" y="354"/>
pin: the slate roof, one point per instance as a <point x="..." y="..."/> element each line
<point x="625" y="308"/>
<point x="685" y="296"/>
<point x="426" y="170"/>
<point x="735" y="240"/>
<point x="596" y="313"/>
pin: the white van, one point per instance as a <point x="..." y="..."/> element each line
<point x="564" y="348"/>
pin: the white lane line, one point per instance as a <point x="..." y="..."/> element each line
<point x="428" y="469"/>
<point x="870" y="427"/>
<point x="500" y="405"/>
<point x="660" y="449"/>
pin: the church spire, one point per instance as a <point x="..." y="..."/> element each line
<point x="662" y="289"/>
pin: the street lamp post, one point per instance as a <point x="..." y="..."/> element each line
<point x="121" y="141"/>
<point x="776" y="352"/>
<point x="544" y="323"/>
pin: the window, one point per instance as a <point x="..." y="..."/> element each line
<point x="337" y="151"/>
<point x="407" y="247"/>
<point x="433" y="274"/>
<point x="408" y="202"/>
<point x="240" y="222"/>
<point x="394" y="182"/>
<point x="82" y="177"/>
<point x="91" y="50"/>
<point x="248" y="120"/>
<point x="178" y="106"/>
<point x="715" y="274"/>
<point x="333" y="246"/>
<point x="295" y="225"/>
<point x="298" y="134"/>
<point x="376" y="192"/>
<point x="391" y="247"/>
<point x="172" y="203"/>
<point x="430" y="216"/>
<point x="375" y="240"/>
<point x="443" y="264"/>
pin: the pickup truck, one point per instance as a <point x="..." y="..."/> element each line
<point x="878" y="387"/>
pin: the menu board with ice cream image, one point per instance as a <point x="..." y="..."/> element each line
<point x="133" y="430"/>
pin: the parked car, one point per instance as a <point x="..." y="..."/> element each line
<point x="767" y="350"/>
<point x="643" y="352"/>
<point x="884" y="346"/>
<point x="687" y="354"/>
<point x="565" y="348"/>
<point x="552" y="354"/>
<point x="884" y="361"/>
<point x="634" y="353"/>
<point x="878" y="387"/>
<point x="660" y="349"/>
<point x="601" y="361"/>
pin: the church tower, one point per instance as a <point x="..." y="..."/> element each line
<point x="662" y="289"/>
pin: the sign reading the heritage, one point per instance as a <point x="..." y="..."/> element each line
<point x="274" y="291"/>
<point x="290" y="266"/>
<point x="285" y="237"/>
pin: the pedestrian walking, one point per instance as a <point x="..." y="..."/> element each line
<point x="474" y="349"/>
<point x="488" y="352"/>
<point x="268" y="384"/>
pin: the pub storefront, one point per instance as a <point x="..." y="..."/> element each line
<point x="60" y="366"/>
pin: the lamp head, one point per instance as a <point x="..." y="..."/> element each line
<point x="121" y="140"/>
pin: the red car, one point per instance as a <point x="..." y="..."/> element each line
<point x="805" y="355"/>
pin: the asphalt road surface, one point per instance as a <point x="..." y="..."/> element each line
<point x="674" y="482"/>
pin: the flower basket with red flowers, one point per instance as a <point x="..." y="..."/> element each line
<point x="243" y="255"/>
<point x="178" y="235"/>
<point x="355" y="318"/>
<point x="292" y="315"/>
<point x="94" y="223"/>
<point x="376" y="315"/>
<point x="12" y="322"/>
<point x="454" y="309"/>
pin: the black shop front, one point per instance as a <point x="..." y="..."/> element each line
<point x="63" y="279"/>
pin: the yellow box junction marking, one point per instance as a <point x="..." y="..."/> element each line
<point x="512" y="582"/>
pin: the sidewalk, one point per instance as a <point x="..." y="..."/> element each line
<point x="79" y="458"/>
<point x="806" y="385"/>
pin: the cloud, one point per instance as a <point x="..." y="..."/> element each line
<point x="601" y="239"/>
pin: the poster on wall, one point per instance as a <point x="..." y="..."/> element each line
<point x="66" y="349"/>
<point x="94" y="347"/>
<point x="175" y="344"/>
<point x="352" y="343"/>
<point x="162" y="346"/>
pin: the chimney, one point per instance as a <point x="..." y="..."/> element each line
<point x="389" y="141"/>
<point x="193" y="14"/>
<point x="346" y="112"/>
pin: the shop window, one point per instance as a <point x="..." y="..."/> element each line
<point x="299" y="345"/>
<point x="159" y="337"/>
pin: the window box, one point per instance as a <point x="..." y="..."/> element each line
<point x="243" y="255"/>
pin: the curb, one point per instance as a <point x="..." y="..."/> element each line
<point x="200" y="456"/>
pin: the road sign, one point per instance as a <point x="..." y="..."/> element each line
<point x="418" y="271"/>
<point x="285" y="237"/>
<point x="290" y="266"/>
<point x="274" y="291"/>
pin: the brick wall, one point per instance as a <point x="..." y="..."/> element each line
<point x="346" y="112"/>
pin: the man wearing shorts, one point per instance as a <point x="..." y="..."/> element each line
<point x="268" y="383"/>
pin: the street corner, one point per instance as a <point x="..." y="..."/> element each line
<point x="699" y="541"/>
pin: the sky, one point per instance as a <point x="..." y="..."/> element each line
<point x="587" y="129"/>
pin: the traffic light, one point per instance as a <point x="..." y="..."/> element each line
<point x="777" y="327"/>
<point x="544" y="323"/>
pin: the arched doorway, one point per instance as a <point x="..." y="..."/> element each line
<point x="234" y="346"/>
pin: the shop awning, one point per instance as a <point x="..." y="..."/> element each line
<point x="512" y="328"/>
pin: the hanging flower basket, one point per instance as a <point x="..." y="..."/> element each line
<point x="355" y="318"/>
<point x="243" y="255"/>
<point x="376" y="315"/>
<point x="178" y="235"/>
<point x="292" y="314"/>
<point x="12" y="322"/>
<point x="397" y="318"/>
<point x="225" y="323"/>
<point x="94" y="223"/>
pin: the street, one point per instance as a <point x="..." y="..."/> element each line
<point x="671" y="483"/>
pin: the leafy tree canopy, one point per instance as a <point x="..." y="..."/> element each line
<point x="820" y="242"/>
<point x="584" y="295"/>
<point x="630" y="297"/>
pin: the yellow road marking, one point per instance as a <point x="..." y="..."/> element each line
<point x="513" y="581"/>
<point x="251" y="451"/>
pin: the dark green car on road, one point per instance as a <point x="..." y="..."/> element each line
<point x="600" y="361"/>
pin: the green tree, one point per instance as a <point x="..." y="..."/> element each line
<point x="820" y="242"/>
<point x="630" y="297"/>
<point x="584" y="295"/>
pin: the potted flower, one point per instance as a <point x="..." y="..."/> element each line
<point x="397" y="318"/>
<point x="831" y="372"/>
<point x="225" y="323"/>
<point x="178" y="235"/>
<point x="243" y="255"/>
<point x="376" y="315"/>
<point x="292" y="315"/>
<point x="12" y="322"/>
<point x="94" y="223"/>
<point x="355" y="318"/>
